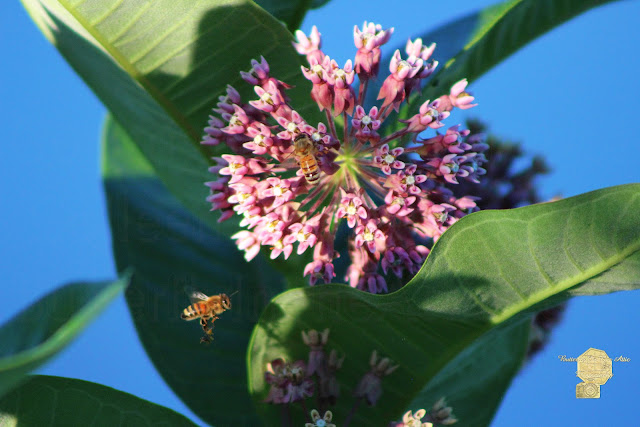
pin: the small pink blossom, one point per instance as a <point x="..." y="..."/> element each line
<point x="369" y="235"/>
<point x="303" y="234"/>
<point x="458" y="97"/>
<point x="259" y="72"/>
<point x="319" y="74"/>
<point x="238" y="122"/>
<point x="270" y="99"/>
<point x="280" y="190"/>
<point x="319" y="270"/>
<point x="366" y="124"/>
<point x="247" y="242"/>
<point x="368" y="41"/>
<point x="309" y="46"/>
<point x="409" y="181"/>
<point x="429" y="117"/>
<point x="370" y="386"/>
<point x="289" y="382"/>
<point x="393" y="88"/>
<point x="316" y="342"/>
<point x="344" y="95"/>
<point x="262" y="139"/>
<point x="417" y="49"/>
<point x="399" y="205"/>
<point x="351" y="207"/>
<point x="387" y="159"/>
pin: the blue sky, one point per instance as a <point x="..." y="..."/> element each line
<point x="571" y="96"/>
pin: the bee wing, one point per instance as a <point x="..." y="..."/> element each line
<point x="195" y="296"/>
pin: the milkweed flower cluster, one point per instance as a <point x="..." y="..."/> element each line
<point x="392" y="191"/>
<point x="289" y="381"/>
<point x="295" y="381"/>
<point x="440" y="414"/>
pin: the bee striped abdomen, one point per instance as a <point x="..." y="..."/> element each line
<point x="194" y="311"/>
<point x="310" y="169"/>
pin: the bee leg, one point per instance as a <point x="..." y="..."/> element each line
<point x="205" y="325"/>
<point x="207" y="328"/>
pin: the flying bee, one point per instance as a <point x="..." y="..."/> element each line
<point x="207" y="310"/>
<point x="304" y="149"/>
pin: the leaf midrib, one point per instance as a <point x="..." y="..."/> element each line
<point x="566" y="284"/>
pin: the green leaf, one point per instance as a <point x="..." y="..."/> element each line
<point x="500" y="31"/>
<point x="44" y="328"/>
<point x="292" y="12"/>
<point x="45" y="400"/>
<point x="159" y="67"/>
<point x="475" y="295"/>
<point x="172" y="251"/>
<point x="470" y="46"/>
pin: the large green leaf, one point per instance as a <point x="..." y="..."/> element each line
<point x="57" y="401"/>
<point x="474" y="296"/>
<point x="159" y="67"/>
<point x="292" y="12"/>
<point x="171" y="251"/>
<point x="44" y="328"/>
<point x="470" y="46"/>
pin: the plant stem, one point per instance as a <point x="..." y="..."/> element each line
<point x="355" y="406"/>
<point x="332" y="125"/>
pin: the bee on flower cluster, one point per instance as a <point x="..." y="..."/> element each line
<point x="390" y="185"/>
<point x="207" y="310"/>
<point x="305" y="151"/>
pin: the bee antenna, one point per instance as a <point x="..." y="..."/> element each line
<point x="234" y="293"/>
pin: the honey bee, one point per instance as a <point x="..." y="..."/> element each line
<point x="207" y="310"/>
<point x="305" y="153"/>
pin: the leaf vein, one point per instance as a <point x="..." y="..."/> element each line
<point x="106" y="14"/>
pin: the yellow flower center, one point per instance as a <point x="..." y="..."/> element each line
<point x="351" y="209"/>
<point x="368" y="235"/>
<point x="272" y="225"/>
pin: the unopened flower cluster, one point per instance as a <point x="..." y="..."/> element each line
<point x="392" y="191"/>
<point x="440" y="414"/>
<point x="291" y="382"/>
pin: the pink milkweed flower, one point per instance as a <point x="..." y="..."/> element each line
<point x="414" y="420"/>
<point x="417" y="49"/>
<point x="316" y="342"/>
<point x="366" y="125"/>
<point x="344" y="95"/>
<point x="387" y="159"/>
<point x="303" y="234"/>
<point x="309" y="46"/>
<point x="293" y="182"/>
<point x="428" y="117"/>
<point x="351" y="207"/>
<point x="368" y="42"/>
<point x="369" y="235"/>
<point x="458" y="97"/>
<point x="370" y="386"/>
<point x="289" y="381"/>
<point x="394" y="90"/>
